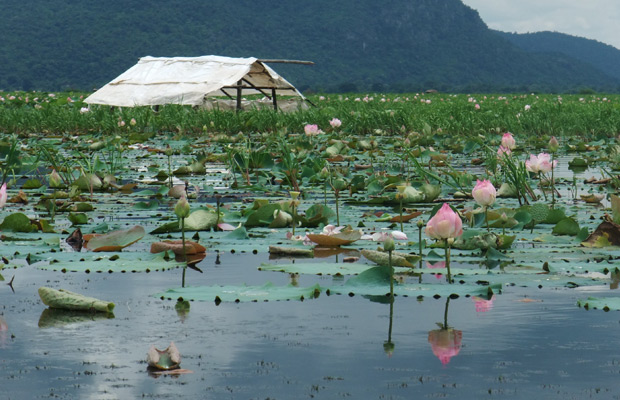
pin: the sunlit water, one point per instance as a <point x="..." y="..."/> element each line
<point x="529" y="343"/>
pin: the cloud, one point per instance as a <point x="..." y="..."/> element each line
<point x="593" y="19"/>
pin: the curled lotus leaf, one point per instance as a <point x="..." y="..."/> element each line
<point x="67" y="300"/>
<point x="116" y="240"/>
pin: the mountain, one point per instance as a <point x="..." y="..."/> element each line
<point x="357" y="45"/>
<point x="603" y="56"/>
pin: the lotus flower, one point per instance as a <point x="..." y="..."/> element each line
<point x="445" y="224"/>
<point x="181" y="209"/>
<point x="335" y="123"/>
<point x="312" y="130"/>
<point x="554" y="145"/>
<point x="446" y="343"/>
<point x="330" y="230"/>
<point x="503" y="151"/>
<point x="484" y="193"/>
<point x="541" y="163"/>
<point x="3" y="195"/>
<point x="383" y="236"/>
<point x="508" y="141"/>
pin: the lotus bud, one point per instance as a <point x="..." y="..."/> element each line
<point x="182" y="208"/>
<point x="55" y="179"/>
<point x="324" y="173"/>
<point x="484" y="193"/>
<point x="508" y="141"/>
<point x="339" y="184"/>
<point x="3" y="195"/>
<point x="445" y="224"/>
<point x="168" y="151"/>
<point x="388" y="244"/>
<point x="554" y="145"/>
<point x="420" y="224"/>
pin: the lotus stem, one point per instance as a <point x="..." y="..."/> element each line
<point x="486" y="217"/>
<point x="401" y="213"/>
<point x="294" y="222"/>
<point x="391" y="275"/>
<point x="552" y="182"/>
<point x="448" y="261"/>
<point x="337" y="211"/>
<point x="184" y="251"/>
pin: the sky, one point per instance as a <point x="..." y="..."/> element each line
<point x="592" y="19"/>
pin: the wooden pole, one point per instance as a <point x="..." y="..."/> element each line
<point x="239" y="90"/>
<point x="275" y="101"/>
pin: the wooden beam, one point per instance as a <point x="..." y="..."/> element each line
<point x="272" y="61"/>
<point x="254" y="87"/>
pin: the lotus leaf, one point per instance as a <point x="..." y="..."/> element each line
<point x="267" y="292"/>
<point x="116" y="240"/>
<point x="67" y="300"/>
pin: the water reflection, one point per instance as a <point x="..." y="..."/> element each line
<point x="445" y="341"/>
<point x="4" y="333"/>
<point x="52" y="317"/>
<point x="388" y="345"/>
<point x="482" y="304"/>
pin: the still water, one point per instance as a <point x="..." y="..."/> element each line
<point x="527" y="343"/>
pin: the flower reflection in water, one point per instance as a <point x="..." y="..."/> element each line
<point x="439" y="264"/>
<point x="483" y="305"/>
<point x="445" y="341"/>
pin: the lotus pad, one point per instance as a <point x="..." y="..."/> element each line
<point x="104" y="262"/>
<point x="267" y="292"/>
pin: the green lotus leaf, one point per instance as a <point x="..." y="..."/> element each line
<point x="267" y="292"/>
<point x="103" y="262"/>
<point x="116" y="240"/>
<point x="605" y="304"/>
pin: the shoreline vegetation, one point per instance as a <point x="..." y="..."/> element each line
<point x="532" y="115"/>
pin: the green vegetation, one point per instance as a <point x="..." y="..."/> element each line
<point x="360" y="45"/>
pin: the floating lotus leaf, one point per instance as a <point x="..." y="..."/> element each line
<point x="322" y="268"/>
<point x="398" y="260"/>
<point x="338" y="239"/>
<point x="605" y="304"/>
<point x="376" y="282"/>
<point x="17" y="222"/>
<point x="67" y="300"/>
<point x="103" y="262"/>
<point x="267" y="292"/>
<point x="567" y="226"/>
<point x="176" y="246"/>
<point x="592" y="198"/>
<point x="116" y="240"/>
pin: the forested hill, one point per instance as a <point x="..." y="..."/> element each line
<point x="389" y="45"/>
<point x="601" y="55"/>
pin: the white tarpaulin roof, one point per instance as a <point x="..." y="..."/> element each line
<point x="188" y="80"/>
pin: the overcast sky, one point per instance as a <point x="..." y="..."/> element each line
<point x="592" y="19"/>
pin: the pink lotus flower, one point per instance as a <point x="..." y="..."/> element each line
<point x="446" y="343"/>
<point x="330" y="230"/>
<point x="541" y="163"/>
<point x="503" y="151"/>
<point x="508" y="141"/>
<point x="477" y="106"/>
<point x="383" y="236"/>
<point x="484" y="193"/>
<point x="311" y="129"/>
<point x="445" y="224"/>
<point x="335" y="123"/>
<point x="3" y="195"/>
